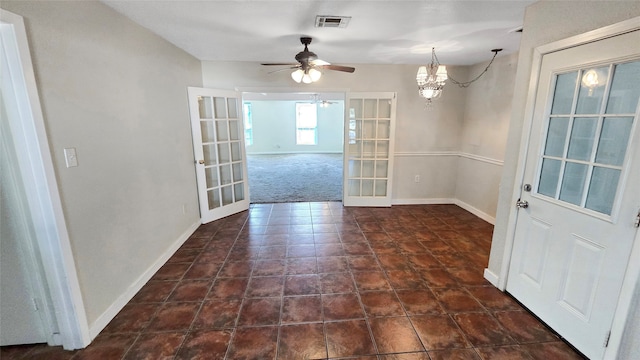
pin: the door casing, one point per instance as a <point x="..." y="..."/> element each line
<point x="632" y="275"/>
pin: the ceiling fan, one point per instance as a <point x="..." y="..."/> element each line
<point x="309" y="66"/>
<point x="320" y="102"/>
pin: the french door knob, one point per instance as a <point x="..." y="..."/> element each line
<point x="522" y="204"/>
<point x="200" y="161"/>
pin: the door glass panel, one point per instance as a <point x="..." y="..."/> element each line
<point x="602" y="190"/>
<point x="355" y="150"/>
<point x="234" y="130"/>
<point x="211" y="174"/>
<point x="355" y="109"/>
<point x="223" y="153"/>
<point x="613" y="140"/>
<point x="367" y="187"/>
<point x="549" y="177"/>
<point x="556" y="136"/>
<point x="213" y="198"/>
<point x="220" y="108"/>
<point x="625" y="89"/>
<point x="381" y="188"/>
<point x="383" y="129"/>
<point x="232" y="106"/>
<point x="209" y="152"/>
<point x="205" y="107"/>
<point x="221" y="130"/>
<point x="592" y="85"/>
<point x="238" y="190"/>
<point x="206" y="129"/>
<point x="370" y="108"/>
<point x="381" y="168"/>
<point x="582" y="136"/>
<point x="227" y="195"/>
<point x="236" y="151"/>
<point x="368" y="149"/>
<point x="237" y="172"/>
<point x="225" y="174"/>
<point x="573" y="182"/>
<point x="563" y="95"/>
<point x="367" y="168"/>
<point x="354" y="168"/>
<point x="369" y="129"/>
<point x="354" y="188"/>
<point x="384" y="108"/>
<point x="383" y="149"/>
<point x="358" y="129"/>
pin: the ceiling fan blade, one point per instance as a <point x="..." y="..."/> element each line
<point x="319" y="62"/>
<point x="280" y="64"/>
<point x="287" y="68"/>
<point x="338" y="68"/>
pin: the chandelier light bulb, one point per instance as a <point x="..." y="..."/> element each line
<point x="297" y="75"/>
<point x="314" y="74"/>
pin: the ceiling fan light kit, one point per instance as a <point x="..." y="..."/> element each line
<point x="431" y="78"/>
<point x="307" y="70"/>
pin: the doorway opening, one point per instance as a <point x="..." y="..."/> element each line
<point x="294" y="144"/>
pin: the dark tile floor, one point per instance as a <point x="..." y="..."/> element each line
<point x="317" y="280"/>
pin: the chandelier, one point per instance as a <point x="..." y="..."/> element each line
<point x="306" y="76"/>
<point x="431" y="78"/>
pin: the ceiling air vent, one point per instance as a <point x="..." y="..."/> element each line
<point x="332" y="21"/>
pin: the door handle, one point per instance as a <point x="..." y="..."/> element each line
<point x="522" y="204"/>
<point x="200" y="161"/>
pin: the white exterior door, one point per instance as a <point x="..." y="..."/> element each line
<point x="572" y="242"/>
<point x="368" y="156"/>
<point x="218" y="147"/>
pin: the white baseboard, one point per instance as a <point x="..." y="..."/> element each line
<point x="425" y="201"/>
<point x="104" y="319"/>
<point x="491" y="277"/>
<point x="481" y="214"/>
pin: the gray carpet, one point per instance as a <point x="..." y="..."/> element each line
<point x="295" y="177"/>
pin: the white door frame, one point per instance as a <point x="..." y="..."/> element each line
<point x="632" y="274"/>
<point x="36" y="166"/>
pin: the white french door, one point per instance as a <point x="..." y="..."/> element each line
<point x="575" y="227"/>
<point x="218" y="147"/>
<point x="368" y="155"/>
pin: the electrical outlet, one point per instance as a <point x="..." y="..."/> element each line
<point x="416" y="178"/>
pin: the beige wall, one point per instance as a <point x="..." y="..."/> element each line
<point x="484" y="134"/>
<point x="117" y="93"/>
<point x="545" y="22"/>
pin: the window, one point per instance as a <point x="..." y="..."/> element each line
<point x="306" y="124"/>
<point x="248" y="124"/>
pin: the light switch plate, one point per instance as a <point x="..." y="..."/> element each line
<point x="70" y="157"/>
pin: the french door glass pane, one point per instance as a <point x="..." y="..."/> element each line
<point x="384" y="108"/>
<point x="227" y="195"/>
<point x="205" y="107"/>
<point x="211" y="175"/>
<point x="563" y="95"/>
<point x="582" y="135"/>
<point x="370" y="108"/>
<point x="234" y="130"/>
<point x="209" y="152"/>
<point x="354" y="168"/>
<point x="354" y="188"/>
<point x="220" y="108"/>
<point x="382" y="168"/>
<point x="237" y="172"/>
<point x="556" y="136"/>
<point x="613" y="140"/>
<point x="368" y="168"/>
<point x="625" y="89"/>
<point x="221" y="130"/>
<point x="223" y="153"/>
<point x="206" y="129"/>
<point x="369" y="129"/>
<point x="381" y="188"/>
<point x="549" y="176"/>
<point x="592" y="86"/>
<point x="602" y="190"/>
<point x="367" y="187"/>
<point x="232" y="106"/>
<point x="236" y="151"/>
<point x="225" y="174"/>
<point x="573" y="182"/>
<point x="213" y="198"/>
<point x="383" y="149"/>
<point x="238" y="190"/>
<point x="355" y="109"/>
<point x="368" y="149"/>
<point x="384" y="127"/>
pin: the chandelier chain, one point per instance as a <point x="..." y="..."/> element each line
<point x="467" y="83"/>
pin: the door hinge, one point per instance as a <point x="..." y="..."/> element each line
<point x="637" y="222"/>
<point x="606" y="339"/>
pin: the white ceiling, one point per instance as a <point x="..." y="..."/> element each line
<point x="380" y="32"/>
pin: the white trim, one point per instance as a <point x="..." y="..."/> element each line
<point x="633" y="270"/>
<point x="491" y="277"/>
<point x="293" y="152"/>
<point x="43" y="196"/>
<point x="479" y="213"/>
<point x="424" y="201"/>
<point x="465" y="155"/>
<point x="103" y="320"/>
